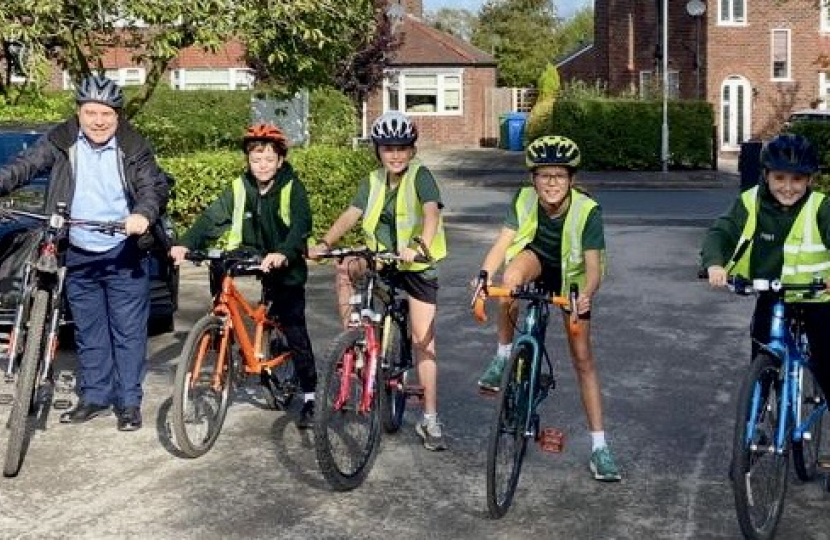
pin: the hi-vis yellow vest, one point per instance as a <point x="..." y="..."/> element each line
<point x="805" y="254"/>
<point x="573" y="262"/>
<point x="233" y="238"/>
<point x="409" y="217"/>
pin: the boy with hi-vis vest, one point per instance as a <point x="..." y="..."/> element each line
<point x="553" y="234"/>
<point x="397" y="203"/>
<point x="266" y="211"/>
<point x="779" y="229"/>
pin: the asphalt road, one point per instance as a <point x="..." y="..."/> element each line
<point x="670" y="351"/>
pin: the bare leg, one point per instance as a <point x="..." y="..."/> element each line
<point x="586" y="372"/>
<point x="422" y="318"/>
<point x="524" y="267"/>
<point x="348" y="270"/>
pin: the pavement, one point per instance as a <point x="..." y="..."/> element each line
<point x="497" y="168"/>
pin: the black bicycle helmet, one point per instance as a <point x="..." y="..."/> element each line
<point x="791" y="153"/>
<point x="98" y="89"/>
<point x="394" y="128"/>
<point x="552" y="150"/>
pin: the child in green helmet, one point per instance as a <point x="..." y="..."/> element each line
<point x="534" y="243"/>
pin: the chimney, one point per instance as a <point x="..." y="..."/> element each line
<point x="413" y="7"/>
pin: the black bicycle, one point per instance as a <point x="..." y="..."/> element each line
<point x="33" y="341"/>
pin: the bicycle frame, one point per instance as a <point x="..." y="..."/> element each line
<point x="532" y="334"/>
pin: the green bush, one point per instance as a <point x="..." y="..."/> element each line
<point x="626" y="134"/>
<point x="36" y="108"/>
<point x="819" y="134"/>
<point x="330" y="174"/>
<point x="333" y="118"/>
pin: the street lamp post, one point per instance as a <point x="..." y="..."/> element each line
<point x="664" y="150"/>
<point x="696" y="9"/>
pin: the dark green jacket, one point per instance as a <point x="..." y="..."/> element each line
<point x="263" y="231"/>
<point x="774" y="224"/>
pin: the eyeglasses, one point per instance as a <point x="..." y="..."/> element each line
<point x="551" y="178"/>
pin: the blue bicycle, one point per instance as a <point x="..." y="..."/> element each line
<point x="526" y="382"/>
<point x="780" y="410"/>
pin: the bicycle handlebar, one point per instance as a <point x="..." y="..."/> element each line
<point x="239" y="260"/>
<point x="368" y="254"/>
<point x="745" y="287"/>
<point x="59" y="221"/>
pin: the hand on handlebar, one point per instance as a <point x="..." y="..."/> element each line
<point x="317" y="251"/>
<point x="717" y="276"/>
<point x="408" y="255"/>
<point x="178" y="254"/>
<point x="272" y="261"/>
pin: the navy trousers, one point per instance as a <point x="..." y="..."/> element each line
<point x="109" y="297"/>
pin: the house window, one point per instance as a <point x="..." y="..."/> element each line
<point x="780" y="54"/>
<point x="651" y="86"/>
<point x="126" y="76"/>
<point x="211" y="79"/>
<point x="823" y="90"/>
<point x="824" y="14"/>
<point x="424" y="93"/>
<point x="732" y="12"/>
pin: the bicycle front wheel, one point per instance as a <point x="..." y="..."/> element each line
<point x="759" y="472"/>
<point x="508" y="440"/>
<point x="26" y="380"/>
<point x="393" y="392"/>
<point x="202" y="387"/>
<point x="346" y="440"/>
<point x="806" y="450"/>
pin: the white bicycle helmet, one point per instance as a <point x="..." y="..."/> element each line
<point x="394" y="128"/>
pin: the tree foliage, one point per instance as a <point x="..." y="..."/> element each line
<point x="295" y="42"/>
<point x="362" y="71"/>
<point x="522" y="36"/>
<point x="458" y="22"/>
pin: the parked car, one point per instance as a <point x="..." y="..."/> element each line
<point x="807" y="115"/>
<point x="164" y="276"/>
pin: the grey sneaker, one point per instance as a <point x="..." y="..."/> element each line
<point x="490" y="380"/>
<point x="430" y="433"/>
<point x="603" y="467"/>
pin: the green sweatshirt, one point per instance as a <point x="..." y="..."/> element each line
<point x="774" y="224"/>
<point x="263" y="231"/>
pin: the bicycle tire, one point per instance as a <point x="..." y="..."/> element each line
<point x="759" y="503"/>
<point x="26" y="381"/>
<point x="202" y="405"/>
<point x="280" y="382"/>
<point x="508" y="427"/>
<point x="806" y="450"/>
<point x="393" y="394"/>
<point x="334" y="429"/>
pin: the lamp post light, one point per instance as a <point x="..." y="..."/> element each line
<point x="696" y="9"/>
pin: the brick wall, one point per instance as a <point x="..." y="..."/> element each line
<point x="745" y="51"/>
<point x="459" y="131"/>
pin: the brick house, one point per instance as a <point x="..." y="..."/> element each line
<point x="439" y="80"/>
<point x="754" y="63"/>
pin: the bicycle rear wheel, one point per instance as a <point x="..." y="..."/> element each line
<point x="806" y="450"/>
<point x="346" y="440"/>
<point x="26" y="380"/>
<point x="508" y="440"/>
<point x="393" y="394"/>
<point x="202" y="387"/>
<point x="759" y="474"/>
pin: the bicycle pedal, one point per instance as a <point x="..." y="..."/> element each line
<point x="414" y="392"/>
<point x="61" y="404"/>
<point x="552" y="440"/>
<point x="487" y="392"/>
<point x="547" y="381"/>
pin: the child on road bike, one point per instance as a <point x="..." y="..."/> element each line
<point x="779" y="229"/>
<point x="553" y="234"/>
<point x="266" y="210"/>
<point x="397" y="203"/>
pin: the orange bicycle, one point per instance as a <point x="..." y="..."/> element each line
<point x="210" y="361"/>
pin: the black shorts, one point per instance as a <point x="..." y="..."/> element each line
<point x="551" y="280"/>
<point x="418" y="287"/>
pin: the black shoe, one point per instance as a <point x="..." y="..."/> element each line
<point x="83" y="412"/>
<point x="129" y="419"/>
<point x="306" y="419"/>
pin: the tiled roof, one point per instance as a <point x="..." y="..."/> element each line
<point x="424" y="45"/>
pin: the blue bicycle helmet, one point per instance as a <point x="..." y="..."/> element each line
<point x="97" y="89"/>
<point x="791" y="153"/>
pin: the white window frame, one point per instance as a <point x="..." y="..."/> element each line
<point x="397" y="79"/>
<point x="646" y="76"/>
<point x="729" y="19"/>
<point x="824" y="18"/>
<point x="235" y="78"/>
<point x="131" y="76"/>
<point x="789" y="71"/>
<point x="823" y="90"/>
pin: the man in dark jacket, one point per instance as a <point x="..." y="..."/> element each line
<point x="276" y="222"/>
<point x="103" y="169"/>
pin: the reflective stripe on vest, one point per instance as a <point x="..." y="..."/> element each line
<point x="233" y="238"/>
<point x="571" y="253"/>
<point x="805" y="254"/>
<point x="409" y="217"/>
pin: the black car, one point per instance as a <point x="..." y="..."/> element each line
<point x="164" y="277"/>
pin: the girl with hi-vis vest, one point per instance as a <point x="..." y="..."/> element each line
<point x="398" y="203"/>
<point x="553" y="235"/>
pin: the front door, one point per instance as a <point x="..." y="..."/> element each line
<point x="734" y="113"/>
